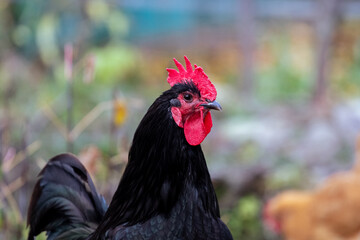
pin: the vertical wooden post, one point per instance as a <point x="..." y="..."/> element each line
<point x="246" y="37"/>
<point x="325" y="26"/>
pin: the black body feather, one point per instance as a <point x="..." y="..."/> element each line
<point x="64" y="201"/>
<point x="166" y="190"/>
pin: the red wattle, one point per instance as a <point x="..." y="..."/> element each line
<point x="196" y="128"/>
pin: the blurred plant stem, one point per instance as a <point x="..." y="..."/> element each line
<point x="247" y="42"/>
<point x="7" y="193"/>
<point x="68" y="72"/>
<point x="7" y="190"/>
<point x="326" y="23"/>
<point x="113" y="128"/>
<point x="20" y="156"/>
<point x="89" y="118"/>
<point x="69" y="122"/>
<point x="5" y="124"/>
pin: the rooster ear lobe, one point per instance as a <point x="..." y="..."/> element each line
<point x="176" y="114"/>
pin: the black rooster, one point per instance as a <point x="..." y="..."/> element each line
<point x="166" y="190"/>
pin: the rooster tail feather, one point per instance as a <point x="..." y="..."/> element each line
<point x="64" y="202"/>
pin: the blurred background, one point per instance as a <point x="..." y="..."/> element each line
<point x="79" y="75"/>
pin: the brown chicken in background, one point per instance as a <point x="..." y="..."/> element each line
<point x="329" y="212"/>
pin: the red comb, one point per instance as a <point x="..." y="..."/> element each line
<point x="197" y="76"/>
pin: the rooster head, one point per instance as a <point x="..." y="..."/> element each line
<point x="191" y="109"/>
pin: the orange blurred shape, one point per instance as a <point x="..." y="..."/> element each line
<point x="89" y="156"/>
<point x="120" y="112"/>
<point x="329" y="212"/>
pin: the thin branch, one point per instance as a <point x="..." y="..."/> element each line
<point x="21" y="156"/>
<point x="40" y="162"/>
<point x="325" y="28"/>
<point x="7" y="194"/>
<point x="89" y="118"/>
<point x="68" y="72"/>
<point x="55" y="121"/>
<point x="12" y="187"/>
<point x="80" y="126"/>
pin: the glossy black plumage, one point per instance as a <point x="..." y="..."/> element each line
<point x="166" y="190"/>
<point x="64" y="201"/>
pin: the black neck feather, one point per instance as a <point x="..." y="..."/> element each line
<point x="161" y="164"/>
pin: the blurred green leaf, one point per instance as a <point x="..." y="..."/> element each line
<point x="114" y="62"/>
<point x="244" y="222"/>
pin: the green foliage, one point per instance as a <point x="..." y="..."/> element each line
<point x="244" y="220"/>
<point x="113" y="63"/>
<point x="346" y="79"/>
<point x="283" y="81"/>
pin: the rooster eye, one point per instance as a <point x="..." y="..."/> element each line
<point x="188" y="97"/>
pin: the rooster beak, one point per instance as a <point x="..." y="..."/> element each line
<point x="212" y="105"/>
